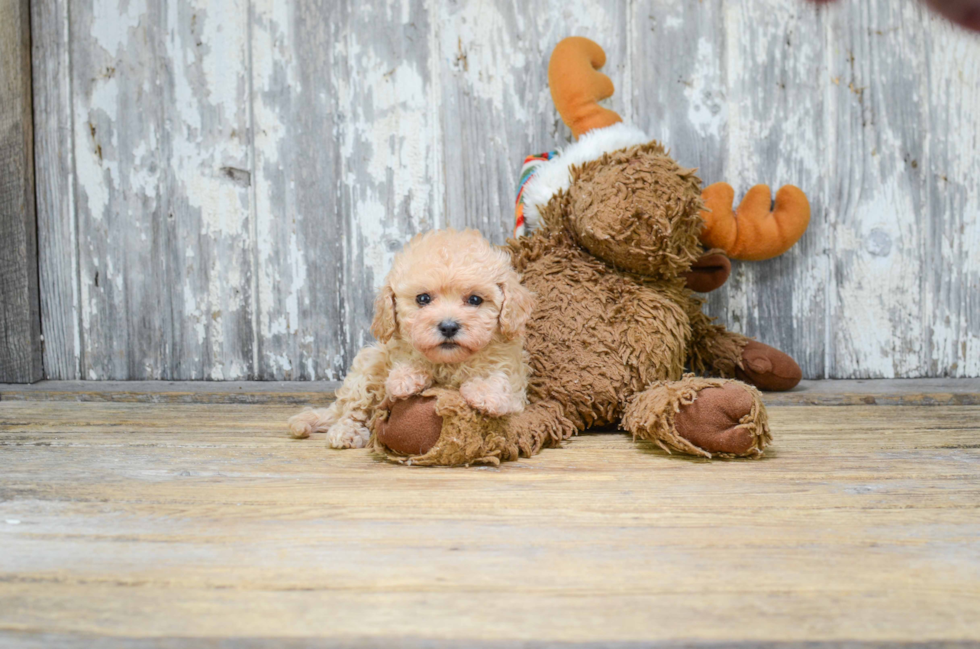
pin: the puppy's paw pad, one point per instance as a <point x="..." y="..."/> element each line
<point x="348" y="433"/>
<point x="404" y="382"/>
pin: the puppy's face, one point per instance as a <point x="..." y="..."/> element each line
<point x="451" y="294"/>
<point x="449" y="321"/>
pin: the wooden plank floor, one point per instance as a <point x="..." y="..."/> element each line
<point x="136" y="524"/>
<point x="847" y="392"/>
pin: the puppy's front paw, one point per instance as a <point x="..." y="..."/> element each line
<point x="491" y="396"/>
<point x="348" y="433"/>
<point x="405" y="381"/>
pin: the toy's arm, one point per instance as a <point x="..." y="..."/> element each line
<point x="714" y="350"/>
<point x="757" y="230"/>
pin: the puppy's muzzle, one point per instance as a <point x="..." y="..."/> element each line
<point x="448" y="329"/>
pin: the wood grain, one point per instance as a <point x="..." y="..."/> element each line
<point x="242" y="215"/>
<point x="299" y="393"/>
<point x="895" y="255"/>
<point x="391" y="171"/>
<point x="298" y="72"/>
<point x="161" y="147"/>
<point x="886" y="392"/>
<point x="152" y="522"/>
<point x="20" y="324"/>
<point x="54" y="174"/>
<point x="773" y="60"/>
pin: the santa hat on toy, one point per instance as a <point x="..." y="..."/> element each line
<point x="751" y="233"/>
<point x="576" y="88"/>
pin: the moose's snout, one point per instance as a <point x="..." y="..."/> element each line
<point x="448" y="328"/>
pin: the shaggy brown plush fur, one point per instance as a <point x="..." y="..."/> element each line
<point x="467" y="436"/>
<point x="679" y="414"/>
<point x="614" y="326"/>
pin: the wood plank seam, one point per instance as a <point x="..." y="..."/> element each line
<point x="20" y="321"/>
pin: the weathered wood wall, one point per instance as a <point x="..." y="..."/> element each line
<point x="20" y="322"/>
<point x="222" y="183"/>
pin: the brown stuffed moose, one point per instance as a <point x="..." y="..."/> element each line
<point x="618" y="227"/>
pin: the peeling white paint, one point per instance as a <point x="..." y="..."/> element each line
<point x="112" y="22"/>
<point x="707" y="108"/>
<point x="878" y="301"/>
<point x="93" y="160"/>
<point x="395" y="141"/>
<point x="479" y="43"/>
<point x="217" y="209"/>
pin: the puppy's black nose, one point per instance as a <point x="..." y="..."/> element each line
<point x="448" y="328"/>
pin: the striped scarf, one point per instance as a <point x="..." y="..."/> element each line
<point x="531" y="164"/>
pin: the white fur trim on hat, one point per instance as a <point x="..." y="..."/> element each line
<point x="555" y="175"/>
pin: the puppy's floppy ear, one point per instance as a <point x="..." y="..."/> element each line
<point x="515" y="308"/>
<point x="385" y="321"/>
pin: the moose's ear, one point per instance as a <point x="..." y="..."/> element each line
<point x="385" y="320"/>
<point x="516" y="307"/>
<point x="708" y="273"/>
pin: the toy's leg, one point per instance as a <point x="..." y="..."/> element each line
<point x="717" y="351"/>
<point x="439" y="428"/>
<point x="706" y="417"/>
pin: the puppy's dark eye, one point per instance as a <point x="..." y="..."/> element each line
<point x="423" y="298"/>
<point x="474" y="300"/>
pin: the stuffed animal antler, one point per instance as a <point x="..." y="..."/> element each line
<point x="753" y="232"/>
<point x="577" y="85"/>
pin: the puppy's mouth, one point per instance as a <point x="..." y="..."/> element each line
<point x="448" y="351"/>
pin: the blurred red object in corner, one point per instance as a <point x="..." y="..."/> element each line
<point x="965" y="13"/>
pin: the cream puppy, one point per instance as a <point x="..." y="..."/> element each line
<point x="451" y="314"/>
